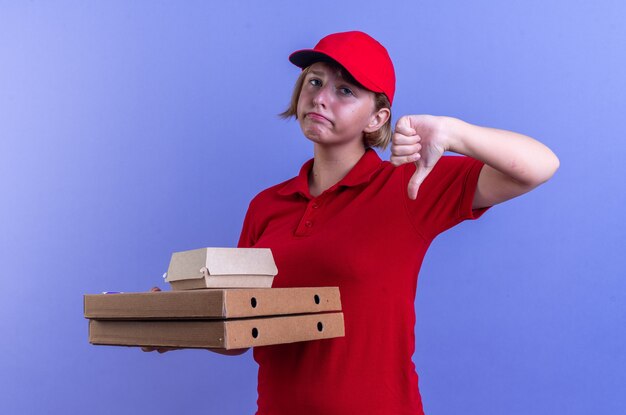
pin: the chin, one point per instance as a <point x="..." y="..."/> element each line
<point x="314" y="136"/>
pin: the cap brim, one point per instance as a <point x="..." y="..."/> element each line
<point x="307" y="57"/>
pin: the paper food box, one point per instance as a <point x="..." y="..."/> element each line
<point x="215" y="318"/>
<point x="221" y="334"/>
<point x="211" y="303"/>
<point x="221" y="268"/>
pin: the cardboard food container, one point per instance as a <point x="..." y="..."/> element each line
<point x="220" y="334"/>
<point x="212" y="303"/>
<point x="221" y="268"/>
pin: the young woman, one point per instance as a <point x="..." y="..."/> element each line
<point x="351" y="220"/>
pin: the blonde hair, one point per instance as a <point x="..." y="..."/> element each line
<point x="379" y="138"/>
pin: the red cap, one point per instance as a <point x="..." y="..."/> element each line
<point x="362" y="56"/>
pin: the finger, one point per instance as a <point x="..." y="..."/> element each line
<point x="401" y="139"/>
<point x="416" y="180"/>
<point x="405" y="150"/>
<point x="400" y="160"/>
<point x="155" y="289"/>
<point x="166" y="349"/>
<point x="403" y="126"/>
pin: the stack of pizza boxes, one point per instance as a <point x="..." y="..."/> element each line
<point x="220" y="298"/>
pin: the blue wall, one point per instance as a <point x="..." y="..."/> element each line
<point x="129" y="130"/>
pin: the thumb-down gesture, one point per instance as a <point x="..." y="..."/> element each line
<point x="418" y="139"/>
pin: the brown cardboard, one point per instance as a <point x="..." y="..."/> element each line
<point x="212" y="303"/>
<point x="222" y="334"/>
<point x="221" y="268"/>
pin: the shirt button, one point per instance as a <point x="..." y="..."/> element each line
<point x="308" y="223"/>
<point x="315" y="205"/>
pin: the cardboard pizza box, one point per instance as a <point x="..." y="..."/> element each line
<point x="212" y="303"/>
<point x="220" y="334"/>
<point x="221" y="268"/>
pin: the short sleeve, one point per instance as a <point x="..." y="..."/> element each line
<point x="247" y="238"/>
<point x="446" y="196"/>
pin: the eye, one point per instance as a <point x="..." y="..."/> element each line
<point x="345" y="91"/>
<point x="315" y="82"/>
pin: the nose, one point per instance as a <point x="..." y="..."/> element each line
<point x="321" y="96"/>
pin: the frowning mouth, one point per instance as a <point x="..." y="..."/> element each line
<point x="317" y="117"/>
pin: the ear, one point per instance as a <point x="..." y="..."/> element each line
<point x="379" y="118"/>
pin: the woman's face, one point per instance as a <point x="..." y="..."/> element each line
<point x="331" y="110"/>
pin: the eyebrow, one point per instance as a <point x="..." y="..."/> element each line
<point x="314" y="72"/>
<point x="320" y="73"/>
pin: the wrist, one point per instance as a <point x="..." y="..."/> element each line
<point x="454" y="130"/>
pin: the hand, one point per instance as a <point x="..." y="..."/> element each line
<point x="418" y="139"/>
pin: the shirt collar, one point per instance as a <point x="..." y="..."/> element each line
<point x="361" y="173"/>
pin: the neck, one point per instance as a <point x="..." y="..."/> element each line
<point x="331" y="164"/>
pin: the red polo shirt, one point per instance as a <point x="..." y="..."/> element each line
<point x="367" y="237"/>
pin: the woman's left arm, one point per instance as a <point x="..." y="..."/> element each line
<point x="514" y="163"/>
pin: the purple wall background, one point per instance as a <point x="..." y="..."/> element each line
<point x="129" y="130"/>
